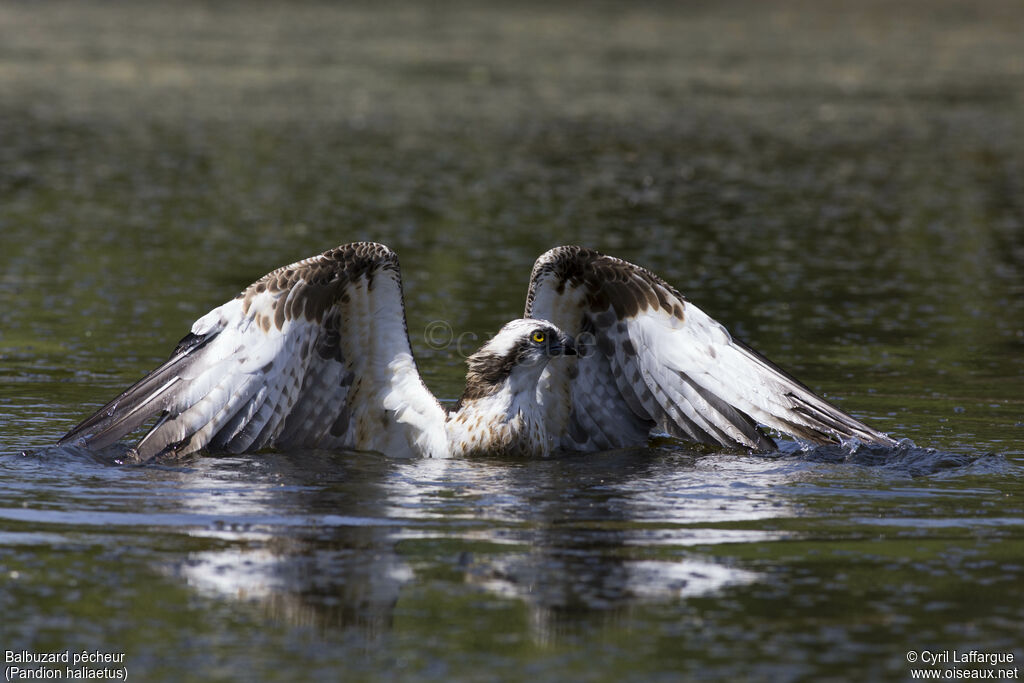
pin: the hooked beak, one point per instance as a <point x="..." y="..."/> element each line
<point x="568" y="346"/>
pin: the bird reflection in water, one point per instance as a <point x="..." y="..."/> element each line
<point x="331" y="540"/>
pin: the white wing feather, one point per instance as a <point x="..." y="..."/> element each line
<point x="652" y="361"/>
<point x="314" y="354"/>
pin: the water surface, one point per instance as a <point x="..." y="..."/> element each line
<point x="841" y="185"/>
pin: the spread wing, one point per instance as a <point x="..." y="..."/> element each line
<point x="653" y="361"/>
<point x="314" y="354"/>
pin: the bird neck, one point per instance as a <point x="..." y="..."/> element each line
<point x="505" y="419"/>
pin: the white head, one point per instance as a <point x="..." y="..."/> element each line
<point x="518" y="353"/>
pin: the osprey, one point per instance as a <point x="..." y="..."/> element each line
<point x="317" y="355"/>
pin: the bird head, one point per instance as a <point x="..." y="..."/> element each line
<point x="520" y="349"/>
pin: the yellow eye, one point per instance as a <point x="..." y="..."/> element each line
<point x="539" y="337"/>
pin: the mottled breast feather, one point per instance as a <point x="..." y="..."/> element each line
<point x="649" y="360"/>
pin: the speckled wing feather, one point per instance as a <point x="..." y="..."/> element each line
<point x="314" y="354"/>
<point x="652" y="361"/>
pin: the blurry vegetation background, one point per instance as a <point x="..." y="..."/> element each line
<point x="840" y="183"/>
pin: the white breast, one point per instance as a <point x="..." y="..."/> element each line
<point x="503" y="422"/>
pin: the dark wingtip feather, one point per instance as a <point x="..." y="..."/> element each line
<point x="137" y="404"/>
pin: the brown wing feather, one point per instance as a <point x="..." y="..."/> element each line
<point x="308" y="355"/>
<point x="674" y="365"/>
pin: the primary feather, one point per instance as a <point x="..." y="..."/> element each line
<point x="317" y="354"/>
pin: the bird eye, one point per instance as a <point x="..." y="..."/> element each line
<point x="539" y="337"/>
